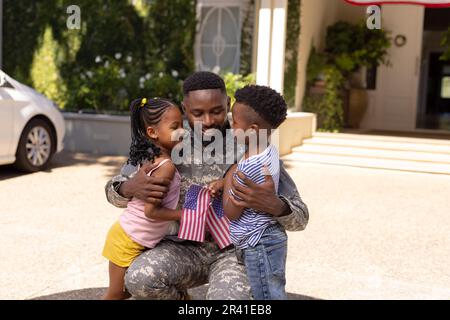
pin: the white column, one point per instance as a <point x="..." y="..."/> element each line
<point x="264" y="43"/>
<point x="278" y="45"/>
<point x="1" y="34"/>
<point x="271" y="43"/>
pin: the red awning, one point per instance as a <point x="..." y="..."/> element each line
<point x="427" y="3"/>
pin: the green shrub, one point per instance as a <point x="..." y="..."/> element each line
<point x="45" y="74"/>
<point x="316" y="66"/>
<point x="445" y="42"/>
<point x="233" y="82"/>
<point x="291" y="56"/>
<point x="124" y="49"/>
<point x="329" y="106"/>
<point x="351" y="46"/>
<point x="247" y="39"/>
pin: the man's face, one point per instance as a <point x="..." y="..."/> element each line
<point x="210" y="107"/>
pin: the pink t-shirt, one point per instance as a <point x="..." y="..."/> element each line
<point x="143" y="230"/>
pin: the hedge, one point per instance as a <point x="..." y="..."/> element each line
<point x="124" y="49"/>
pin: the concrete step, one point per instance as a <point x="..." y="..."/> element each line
<point x="394" y="145"/>
<point x="367" y="162"/>
<point x="349" y="151"/>
<point x="371" y="137"/>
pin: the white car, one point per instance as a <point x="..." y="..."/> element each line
<point x="31" y="126"/>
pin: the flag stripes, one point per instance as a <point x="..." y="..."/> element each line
<point x="194" y="222"/>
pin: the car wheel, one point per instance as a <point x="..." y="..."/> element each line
<point x="36" y="146"/>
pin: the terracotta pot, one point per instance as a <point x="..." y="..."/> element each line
<point x="357" y="106"/>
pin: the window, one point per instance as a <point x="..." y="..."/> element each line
<point x="445" y="88"/>
<point x="219" y="38"/>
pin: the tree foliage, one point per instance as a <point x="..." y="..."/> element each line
<point x="445" y="42"/>
<point x="124" y="49"/>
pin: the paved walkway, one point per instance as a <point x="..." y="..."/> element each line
<point x="373" y="234"/>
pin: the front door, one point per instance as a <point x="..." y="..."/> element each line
<point x="434" y="106"/>
<point x="398" y="84"/>
<point x="438" y="93"/>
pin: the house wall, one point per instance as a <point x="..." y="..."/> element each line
<point x="297" y="127"/>
<point x="393" y="104"/>
<point x="350" y="13"/>
<point x="315" y="17"/>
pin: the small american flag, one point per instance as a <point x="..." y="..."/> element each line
<point x="201" y="213"/>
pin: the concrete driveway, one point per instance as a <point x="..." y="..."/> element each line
<point x="373" y="234"/>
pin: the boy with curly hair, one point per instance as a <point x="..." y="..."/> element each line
<point x="262" y="240"/>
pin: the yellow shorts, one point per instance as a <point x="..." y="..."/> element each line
<point x="119" y="248"/>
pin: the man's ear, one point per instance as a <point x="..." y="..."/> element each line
<point x="183" y="105"/>
<point x="151" y="133"/>
<point x="228" y="104"/>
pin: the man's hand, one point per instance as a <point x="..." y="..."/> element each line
<point x="146" y="188"/>
<point x="261" y="197"/>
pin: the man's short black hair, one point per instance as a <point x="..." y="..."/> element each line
<point x="203" y="80"/>
<point x="267" y="103"/>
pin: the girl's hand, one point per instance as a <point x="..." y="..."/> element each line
<point x="216" y="187"/>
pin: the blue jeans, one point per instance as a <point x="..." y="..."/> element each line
<point x="266" y="265"/>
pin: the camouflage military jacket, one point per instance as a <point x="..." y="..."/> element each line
<point x="195" y="171"/>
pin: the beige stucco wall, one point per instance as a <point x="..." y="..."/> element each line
<point x="297" y="127"/>
<point x="316" y="16"/>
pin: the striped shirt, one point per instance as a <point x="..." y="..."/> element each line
<point x="247" y="230"/>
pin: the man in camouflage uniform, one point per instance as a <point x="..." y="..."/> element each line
<point x="173" y="266"/>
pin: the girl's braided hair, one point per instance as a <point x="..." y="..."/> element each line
<point x="145" y="113"/>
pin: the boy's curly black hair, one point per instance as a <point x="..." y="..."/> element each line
<point x="267" y="103"/>
<point x="203" y="80"/>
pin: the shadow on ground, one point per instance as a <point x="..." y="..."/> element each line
<point x="9" y="172"/>
<point x="67" y="159"/>
<point x="290" y="164"/>
<point x="198" y="293"/>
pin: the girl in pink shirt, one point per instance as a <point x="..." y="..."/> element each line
<point x="155" y="124"/>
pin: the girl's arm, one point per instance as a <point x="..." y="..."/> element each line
<point x="231" y="210"/>
<point x="165" y="214"/>
<point x="152" y="211"/>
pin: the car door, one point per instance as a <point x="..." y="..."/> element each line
<point x="6" y="119"/>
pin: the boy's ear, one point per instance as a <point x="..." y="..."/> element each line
<point x="254" y="127"/>
<point x="151" y="133"/>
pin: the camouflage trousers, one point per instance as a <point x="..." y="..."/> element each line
<point x="173" y="267"/>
